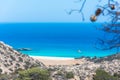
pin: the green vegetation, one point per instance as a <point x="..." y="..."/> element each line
<point x="117" y="75"/>
<point x="0" y="70"/>
<point x="102" y="75"/>
<point x="34" y="74"/>
<point x="4" y="77"/>
<point x="59" y="73"/>
<point x="69" y="75"/>
<point x="20" y="59"/>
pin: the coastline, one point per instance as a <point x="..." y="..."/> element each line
<point x="48" y="61"/>
<point x="53" y="58"/>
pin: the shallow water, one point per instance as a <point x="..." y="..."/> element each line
<point x="54" y="39"/>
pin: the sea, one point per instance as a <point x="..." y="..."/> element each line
<point x="70" y="40"/>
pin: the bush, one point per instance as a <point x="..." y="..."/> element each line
<point x="34" y="74"/>
<point x="4" y="77"/>
<point x="69" y="75"/>
<point x="20" y="59"/>
<point x="59" y="73"/>
<point x="0" y="70"/>
<point x="13" y="58"/>
<point x="116" y="75"/>
<point x="102" y="75"/>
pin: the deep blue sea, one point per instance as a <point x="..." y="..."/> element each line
<point x="54" y="39"/>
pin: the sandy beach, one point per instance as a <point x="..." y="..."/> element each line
<point x="58" y="60"/>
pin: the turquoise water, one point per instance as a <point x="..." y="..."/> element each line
<point x="54" y="39"/>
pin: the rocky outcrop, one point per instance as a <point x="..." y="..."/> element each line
<point x="12" y="60"/>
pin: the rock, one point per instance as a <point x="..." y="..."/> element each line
<point x="24" y="49"/>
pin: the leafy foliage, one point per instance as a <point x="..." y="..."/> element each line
<point x="117" y="75"/>
<point x="4" y="77"/>
<point x="102" y="75"/>
<point x="0" y="70"/>
<point x="34" y="74"/>
<point x="69" y="75"/>
<point x="59" y="73"/>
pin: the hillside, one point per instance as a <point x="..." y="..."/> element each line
<point x="12" y="60"/>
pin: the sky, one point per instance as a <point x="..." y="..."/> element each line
<point x="44" y="10"/>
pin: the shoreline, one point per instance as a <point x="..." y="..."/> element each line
<point x="52" y="61"/>
<point x="48" y="61"/>
<point x="53" y="58"/>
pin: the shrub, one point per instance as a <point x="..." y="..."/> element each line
<point x="59" y="73"/>
<point x="69" y="75"/>
<point x="4" y="77"/>
<point x="13" y="58"/>
<point x="0" y="70"/>
<point x="102" y="75"/>
<point x="34" y="74"/>
<point x="116" y="75"/>
<point x="17" y="70"/>
<point x="20" y="59"/>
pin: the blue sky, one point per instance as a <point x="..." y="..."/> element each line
<point x="43" y="10"/>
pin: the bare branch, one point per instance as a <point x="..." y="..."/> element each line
<point x="112" y="28"/>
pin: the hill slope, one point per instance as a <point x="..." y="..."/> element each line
<point x="12" y="60"/>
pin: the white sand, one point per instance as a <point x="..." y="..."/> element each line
<point x="52" y="58"/>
